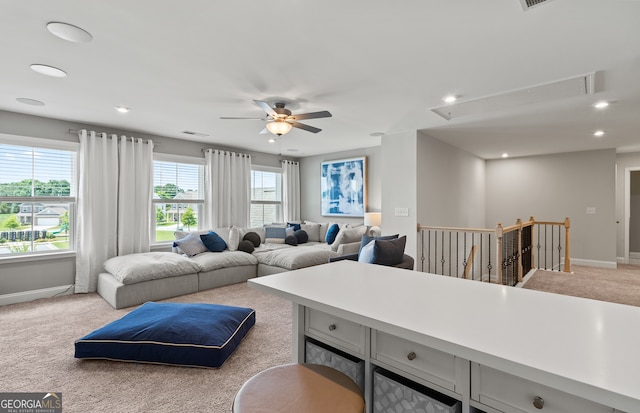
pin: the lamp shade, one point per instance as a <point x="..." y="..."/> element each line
<point x="279" y="127"/>
<point x="372" y="219"/>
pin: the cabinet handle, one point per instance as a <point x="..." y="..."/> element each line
<point x="332" y="327"/>
<point x="538" y="402"/>
<point x="411" y="355"/>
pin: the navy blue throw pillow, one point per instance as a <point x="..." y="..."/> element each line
<point x="296" y="227"/>
<point x="213" y="242"/>
<point x="332" y="232"/>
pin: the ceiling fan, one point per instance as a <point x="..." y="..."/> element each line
<point x="281" y="120"/>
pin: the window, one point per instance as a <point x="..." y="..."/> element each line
<point x="266" y="196"/>
<point x="178" y="195"/>
<point x="37" y="196"/>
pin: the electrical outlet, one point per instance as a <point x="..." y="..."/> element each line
<point x="402" y="212"/>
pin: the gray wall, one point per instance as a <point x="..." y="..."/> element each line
<point x="18" y="275"/>
<point x="553" y="187"/>
<point x="310" y="202"/>
<point x="624" y="161"/>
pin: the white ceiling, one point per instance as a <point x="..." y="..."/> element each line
<point x="377" y="65"/>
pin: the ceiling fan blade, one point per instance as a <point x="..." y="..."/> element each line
<point x="264" y="131"/>
<point x="305" y="127"/>
<point x="312" y="115"/>
<point x="265" y="106"/>
<point x="227" y="117"/>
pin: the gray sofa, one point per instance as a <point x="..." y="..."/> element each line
<point x="137" y="278"/>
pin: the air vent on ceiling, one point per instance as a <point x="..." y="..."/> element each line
<point x="188" y="132"/>
<point x="527" y="4"/>
<point x="548" y="92"/>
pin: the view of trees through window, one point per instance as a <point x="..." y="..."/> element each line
<point x="183" y="185"/>
<point x="266" y="197"/>
<point x="37" y="196"/>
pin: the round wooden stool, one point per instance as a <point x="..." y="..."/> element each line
<point x="308" y="388"/>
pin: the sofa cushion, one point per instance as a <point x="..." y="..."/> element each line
<point x="383" y="252"/>
<point x="313" y="231"/>
<point x="367" y="239"/>
<point x="213" y="242"/>
<point x="139" y="267"/>
<point x="258" y="230"/>
<point x="347" y="235"/>
<point x="198" y="335"/>
<point x="210" y="261"/>
<point x="291" y="258"/>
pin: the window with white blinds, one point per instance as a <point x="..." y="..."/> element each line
<point x="178" y="196"/>
<point x="37" y="198"/>
<point x="266" y="196"/>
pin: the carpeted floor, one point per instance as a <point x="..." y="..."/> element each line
<point x="620" y="285"/>
<point x="36" y="355"/>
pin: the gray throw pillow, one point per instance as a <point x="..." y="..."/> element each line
<point x="384" y="252"/>
<point x="191" y="245"/>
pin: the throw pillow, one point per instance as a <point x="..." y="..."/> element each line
<point x="367" y="239"/>
<point x="302" y="236"/>
<point x="313" y="231"/>
<point x="253" y="238"/>
<point x="332" y="232"/>
<point x="294" y="225"/>
<point x="191" y="245"/>
<point x="246" y="246"/>
<point x="275" y="235"/>
<point x="389" y="252"/>
<point x="366" y="253"/>
<point x="348" y="235"/>
<point x="213" y="242"/>
<point x="234" y="239"/>
<point x="291" y="240"/>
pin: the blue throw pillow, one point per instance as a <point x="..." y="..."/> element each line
<point x="295" y="226"/>
<point x="367" y="239"/>
<point x="366" y="253"/>
<point x="213" y="242"/>
<point x="275" y="232"/>
<point x="332" y="232"/>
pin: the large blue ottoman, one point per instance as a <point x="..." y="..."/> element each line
<point x="196" y="335"/>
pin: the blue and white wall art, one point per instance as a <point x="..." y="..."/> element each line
<point x="344" y="187"/>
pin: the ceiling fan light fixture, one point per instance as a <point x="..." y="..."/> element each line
<point x="279" y="127"/>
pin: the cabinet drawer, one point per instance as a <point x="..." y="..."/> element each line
<point x="509" y="393"/>
<point x="427" y="363"/>
<point x="335" y="330"/>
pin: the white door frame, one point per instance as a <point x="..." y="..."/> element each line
<point x="627" y="208"/>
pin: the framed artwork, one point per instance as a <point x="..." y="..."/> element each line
<point x="344" y="187"/>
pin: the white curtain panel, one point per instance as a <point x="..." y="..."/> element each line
<point x="228" y="189"/>
<point x="108" y="204"/>
<point x="291" y="192"/>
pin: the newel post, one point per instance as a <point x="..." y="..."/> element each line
<point x="499" y="232"/>
<point x="567" y="258"/>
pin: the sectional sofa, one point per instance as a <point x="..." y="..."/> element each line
<point x="137" y="278"/>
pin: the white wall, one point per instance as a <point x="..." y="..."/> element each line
<point x="553" y="187"/>
<point x="624" y="161"/>
<point x="399" y="177"/>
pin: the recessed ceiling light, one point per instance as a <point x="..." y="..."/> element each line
<point x="123" y="109"/>
<point x="601" y="105"/>
<point x="28" y="101"/>
<point x="272" y="140"/>
<point x="505" y="155"/>
<point x="598" y="133"/>
<point x="48" y="70"/>
<point x="69" y="32"/>
<point x="449" y="99"/>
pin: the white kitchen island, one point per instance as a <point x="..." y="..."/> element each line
<point x="494" y="348"/>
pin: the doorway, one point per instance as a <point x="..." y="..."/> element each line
<point x="632" y="215"/>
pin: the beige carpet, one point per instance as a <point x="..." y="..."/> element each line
<point x="36" y="355"/>
<point x="620" y="285"/>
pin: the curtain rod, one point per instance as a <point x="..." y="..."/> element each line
<point x="75" y="132"/>
<point x="237" y="153"/>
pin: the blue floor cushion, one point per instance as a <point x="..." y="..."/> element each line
<point x="198" y="335"/>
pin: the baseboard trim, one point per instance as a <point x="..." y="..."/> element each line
<point x="25" y="296"/>
<point x="594" y="263"/>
